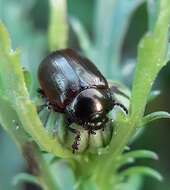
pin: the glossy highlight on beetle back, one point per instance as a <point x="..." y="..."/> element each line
<point x="63" y="74"/>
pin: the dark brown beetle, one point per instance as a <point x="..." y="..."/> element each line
<point x="74" y="86"/>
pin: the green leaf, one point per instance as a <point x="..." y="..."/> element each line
<point x="151" y="58"/>
<point x="168" y="54"/>
<point x="24" y="177"/>
<point x="85" y="184"/>
<point x="64" y="176"/>
<point x="154" y="116"/>
<point x="153" y="12"/>
<point x="5" y="42"/>
<point x="82" y="35"/>
<point x="52" y="122"/>
<point x="58" y="28"/>
<point x="133" y="183"/>
<point x="141" y="170"/>
<point x="152" y="52"/>
<point x="129" y="157"/>
<point x="13" y="89"/>
<point x="141" y="154"/>
<point x="10" y="122"/>
<point x="12" y="125"/>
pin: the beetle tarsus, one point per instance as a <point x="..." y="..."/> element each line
<point x="76" y="143"/>
<point x="47" y="104"/>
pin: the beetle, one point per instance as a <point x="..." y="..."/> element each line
<point x="72" y="85"/>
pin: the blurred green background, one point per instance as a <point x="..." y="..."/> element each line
<point x="27" y="22"/>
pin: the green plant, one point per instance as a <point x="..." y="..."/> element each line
<point x="44" y="150"/>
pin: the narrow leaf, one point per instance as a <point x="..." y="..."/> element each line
<point x="13" y="88"/>
<point x="133" y="183"/>
<point x="168" y="53"/>
<point x="58" y="30"/>
<point x="142" y="170"/>
<point x="154" y="116"/>
<point x="128" y="158"/>
<point x="153" y="11"/>
<point x="141" y="154"/>
<point x="5" y="42"/>
<point x="82" y="35"/>
<point x="24" y="177"/>
<point x="151" y="58"/>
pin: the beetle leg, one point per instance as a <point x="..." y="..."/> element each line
<point x="41" y="93"/>
<point x="121" y="106"/>
<point x="41" y="107"/>
<point x="77" y="139"/>
<point x="47" y="104"/>
<point x="115" y="89"/>
<point x="89" y="129"/>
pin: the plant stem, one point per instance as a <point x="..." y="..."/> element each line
<point x="39" y="166"/>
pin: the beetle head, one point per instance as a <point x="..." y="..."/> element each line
<point x="90" y="107"/>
